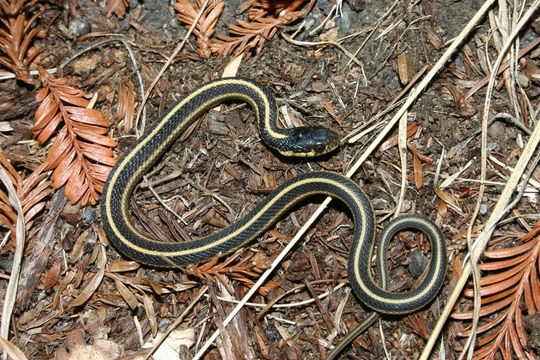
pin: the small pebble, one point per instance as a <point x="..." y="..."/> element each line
<point x="417" y="264"/>
<point x="79" y="26"/>
<point x="6" y="265"/>
<point x="344" y="21"/>
<point x="492" y="145"/>
<point x="163" y="325"/>
<point x="88" y="216"/>
<point x="483" y="209"/>
<point x="272" y="334"/>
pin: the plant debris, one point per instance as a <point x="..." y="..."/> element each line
<point x="72" y="103"/>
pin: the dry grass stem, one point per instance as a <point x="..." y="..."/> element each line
<point x="323" y="43"/>
<point x="11" y="291"/>
<point x="402" y="148"/>
<point x="11" y="350"/>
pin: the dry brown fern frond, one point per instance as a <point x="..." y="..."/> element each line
<point x="16" y="36"/>
<point x="15" y="7"/>
<point x="266" y="16"/>
<point x="206" y="25"/>
<point x="245" y="36"/>
<point x="509" y="290"/>
<point x="8" y="215"/>
<point x="273" y="7"/>
<point x="118" y="7"/>
<point x="31" y="191"/>
<point x="250" y="36"/>
<point x="126" y="106"/>
<point x="81" y="155"/>
<point x="243" y="270"/>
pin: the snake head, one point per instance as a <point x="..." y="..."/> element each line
<point x="311" y="141"/>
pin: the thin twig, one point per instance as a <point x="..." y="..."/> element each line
<point x="322" y="43"/>
<point x="377" y="24"/>
<point x="481" y="83"/>
<point x="175" y="324"/>
<point x="289" y="305"/>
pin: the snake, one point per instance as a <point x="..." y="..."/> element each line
<point x="297" y="142"/>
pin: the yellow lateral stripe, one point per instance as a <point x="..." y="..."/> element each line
<point x="410" y="299"/>
<point x="228" y="236"/>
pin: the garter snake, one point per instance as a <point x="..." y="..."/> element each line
<point x="302" y="141"/>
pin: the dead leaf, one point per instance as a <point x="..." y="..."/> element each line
<point x="126" y="106"/>
<point x="150" y="314"/>
<point x="94" y="283"/>
<point x="393" y="141"/>
<point x="118" y="7"/>
<point x="101" y="349"/>
<point x="51" y="276"/>
<point x="434" y="39"/>
<point x="403" y="68"/>
<point x="123" y="266"/>
<point x="127" y="295"/>
<point x="171" y="347"/>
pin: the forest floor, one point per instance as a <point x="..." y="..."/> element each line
<point x="345" y="65"/>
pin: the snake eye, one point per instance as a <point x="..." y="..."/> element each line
<point x="319" y="149"/>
